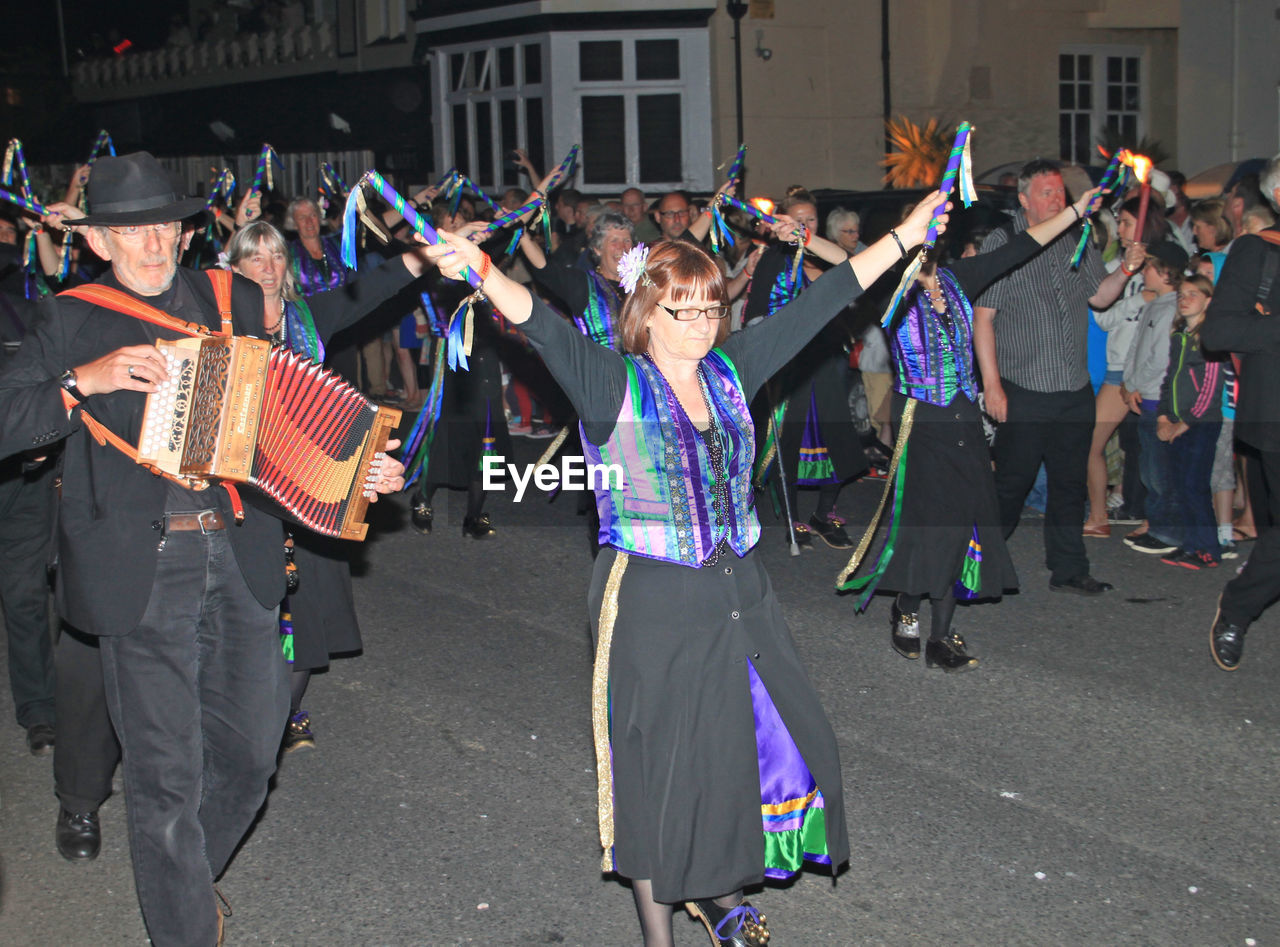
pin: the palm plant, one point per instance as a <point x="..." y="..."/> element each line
<point x="921" y="154"/>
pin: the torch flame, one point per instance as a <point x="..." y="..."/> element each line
<point x="762" y="204"/>
<point x="1141" y="168"/>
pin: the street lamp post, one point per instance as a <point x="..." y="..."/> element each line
<point x="737" y="10"/>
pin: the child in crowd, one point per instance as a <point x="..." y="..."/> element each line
<point x="1189" y="422"/>
<point x="1144" y="374"/>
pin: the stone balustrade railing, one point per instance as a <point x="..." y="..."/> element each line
<point x="313" y="43"/>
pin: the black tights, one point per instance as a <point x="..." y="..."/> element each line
<point x="941" y="612"/>
<point x="655" y="917"/>
<point x="298" y="682"/>
<point x="827" y="494"/>
<point x="475" y="495"/>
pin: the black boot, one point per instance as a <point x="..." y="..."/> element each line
<point x="948" y="653"/>
<point x="421" y="515"/>
<point x="78" y="835"/>
<point x="905" y="632"/>
<point x="477" y="527"/>
<point x="741" y="926"/>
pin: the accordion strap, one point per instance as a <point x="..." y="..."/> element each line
<point x="114" y="299"/>
<point x="109" y="298"/>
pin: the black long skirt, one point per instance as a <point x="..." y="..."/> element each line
<point x="686" y="778"/>
<point x="949" y="491"/>
<point x="323" y="608"/>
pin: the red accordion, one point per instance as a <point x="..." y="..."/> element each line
<point x="244" y="410"/>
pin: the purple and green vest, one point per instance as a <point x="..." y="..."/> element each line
<point x="663" y="509"/>
<point x="599" y="320"/>
<point x="933" y="358"/>
<point x="318" y="276"/>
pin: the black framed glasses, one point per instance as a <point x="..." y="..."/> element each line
<point x="686" y="314"/>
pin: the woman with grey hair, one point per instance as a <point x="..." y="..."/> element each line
<point x="844" y="228"/>
<point x="321" y="612"/>
<point x="593" y="297"/>
<point x="316" y="259"/>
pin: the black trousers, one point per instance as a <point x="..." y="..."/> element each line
<point x="1056" y="429"/>
<point x="199" y="694"/>
<point x="26" y="524"/>
<point x="86" y="754"/>
<point x="1248" y="594"/>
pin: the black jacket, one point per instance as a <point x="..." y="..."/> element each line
<point x="1234" y="324"/>
<point x="111" y="508"/>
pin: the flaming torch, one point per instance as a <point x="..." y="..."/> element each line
<point x="1141" y="165"/>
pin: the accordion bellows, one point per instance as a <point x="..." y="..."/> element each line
<point x="244" y="410"/>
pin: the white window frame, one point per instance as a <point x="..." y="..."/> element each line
<point x="446" y="98"/>
<point x="1098" y="111"/>
<point x="693" y="87"/>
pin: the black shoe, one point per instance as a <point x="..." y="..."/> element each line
<point x="421" y="515"/>
<point x="831" y="531"/>
<point x="1149" y="544"/>
<point x="40" y="739"/>
<point x="1122" y="517"/>
<point x="742" y="926"/>
<point x="905" y="632"/>
<point x="1081" y="585"/>
<point x="297" y="733"/>
<point x="477" y="527"/>
<point x="803" y="536"/>
<point x="948" y="653"/>
<point x="1226" y="642"/>
<point x="78" y="835"/>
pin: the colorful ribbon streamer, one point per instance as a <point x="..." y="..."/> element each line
<point x="267" y="159"/>
<point x="27" y="203"/>
<point x="224" y="186"/>
<point x="735" y="169"/>
<point x="959" y="172"/>
<point x="102" y="143"/>
<point x="563" y="170"/>
<point x="1110" y="179"/>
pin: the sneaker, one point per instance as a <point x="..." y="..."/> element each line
<point x="541" y="431"/>
<point x="1229" y="551"/>
<point x="1149" y="544"/>
<point x="297" y="733"/>
<point x="831" y="531"/>
<point x="1122" y="517"/>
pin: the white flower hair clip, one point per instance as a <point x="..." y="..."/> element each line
<point x="631" y="268"/>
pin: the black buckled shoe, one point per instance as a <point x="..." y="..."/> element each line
<point x="421" y="515"/>
<point x="477" y="527"/>
<point x="1226" y="642"/>
<point x="904" y="632"/>
<point x="831" y="531"/>
<point x="741" y="926"/>
<point x="40" y="739"/>
<point x="78" y="835"/>
<point x="803" y="536"/>
<point x="949" y="654"/>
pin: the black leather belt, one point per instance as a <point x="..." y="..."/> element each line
<point x="207" y="521"/>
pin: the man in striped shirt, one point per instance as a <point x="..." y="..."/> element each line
<point x="1030" y="336"/>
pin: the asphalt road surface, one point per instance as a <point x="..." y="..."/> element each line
<point x="1097" y="781"/>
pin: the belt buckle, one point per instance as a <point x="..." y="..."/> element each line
<point x="200" y="518"/>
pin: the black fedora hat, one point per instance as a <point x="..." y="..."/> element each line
<point x="135" y="189"/>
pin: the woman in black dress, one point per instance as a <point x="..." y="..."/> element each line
<point x="322" y="611"/>
<point x="696" y="800"/>
<point x="944" y="540"/>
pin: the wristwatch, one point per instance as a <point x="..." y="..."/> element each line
<point x="68" y="382"/>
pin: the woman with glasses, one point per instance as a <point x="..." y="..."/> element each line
<point x="716" y="763"/>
